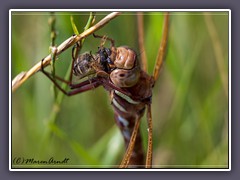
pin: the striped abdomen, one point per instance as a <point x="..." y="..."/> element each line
<point x="126" y="112"/>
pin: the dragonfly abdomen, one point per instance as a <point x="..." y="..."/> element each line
<point x="126" y="112"/>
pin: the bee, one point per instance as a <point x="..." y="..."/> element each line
<point x="83" y="65"/>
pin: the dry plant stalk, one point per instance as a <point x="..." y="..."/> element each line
<point x="162" y="47"/>
<point x="141" y="41"/>
<point x="23" y="76"/>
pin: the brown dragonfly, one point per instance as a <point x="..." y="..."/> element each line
<point x="123" y="74"/>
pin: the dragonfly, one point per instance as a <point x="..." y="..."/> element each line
<point x="121" y="72"/>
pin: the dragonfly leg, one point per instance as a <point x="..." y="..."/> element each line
<point x="75" y="51"/>
<point x="109" y="85"/>
<point x="104" y="37"/>
<point x="78" y="88"/>
<point x="85" y="86"/>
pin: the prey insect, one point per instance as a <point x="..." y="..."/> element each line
<point x="119" y="71"/>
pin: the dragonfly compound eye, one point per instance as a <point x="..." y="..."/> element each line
<point x="127" y="70"/>
<point x="125" y="78"/>
<point x="125" y="58"/>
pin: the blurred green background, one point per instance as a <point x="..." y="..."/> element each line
<point x="189" y="104"/>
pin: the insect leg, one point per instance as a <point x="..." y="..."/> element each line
<point x="49" y="75"/>
<point x="75" y="52"/>
<point x="107" y="38"/>
<point x="109" y="85"/>
<point x="86" y="87"/>
<point x="130" y="147"/>
<point x="162" y="47"/>
<point x="80" y="87"/>
<point x="149" y="149"/>
<point x="53" y="77"/>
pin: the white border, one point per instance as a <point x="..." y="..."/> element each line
<point x="229" y="91"/>
<point x="126" y="10"/>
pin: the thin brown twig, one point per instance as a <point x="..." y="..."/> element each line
<point x="162" y="48"/>
<point x="141" y="41"/>
<point x="23" y="76"/>
<point x="150" y="145"/>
